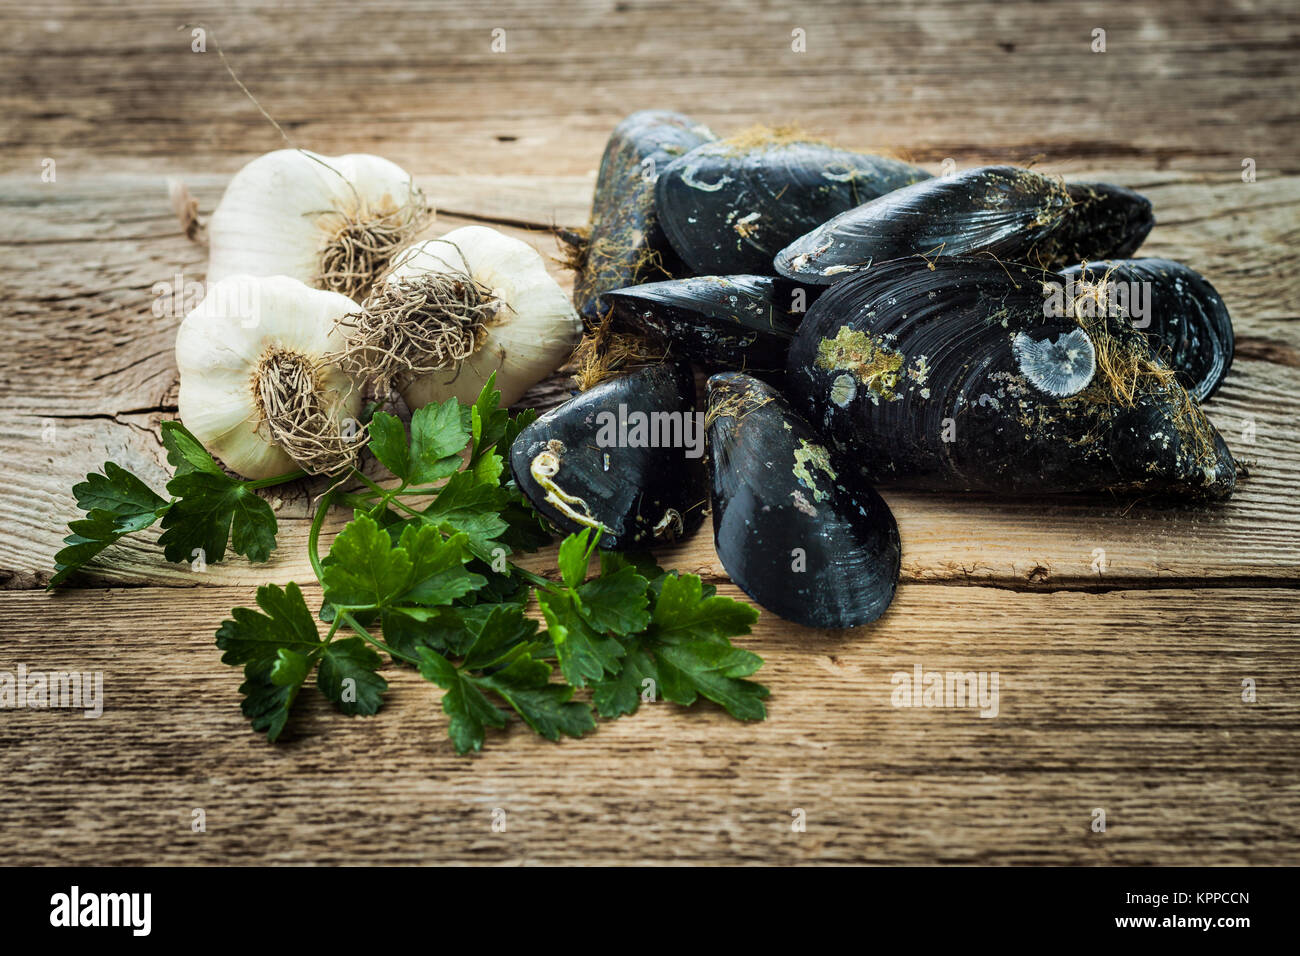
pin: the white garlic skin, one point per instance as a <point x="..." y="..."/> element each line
<point x="532" y="334"/>
<point x="270" y="222"/>
<point x="219" y="346"/>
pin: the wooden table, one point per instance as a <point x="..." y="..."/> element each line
<point x="1121" y="679"/>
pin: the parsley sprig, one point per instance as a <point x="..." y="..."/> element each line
<point x="207" y="510"/>
<point x="422" y="576"/>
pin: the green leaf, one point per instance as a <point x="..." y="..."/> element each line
<point x="211" y="510"/>
<point x="526" y="530"/>
<point x="472" y="506"/>
<point x="388" y="443"/>
<point x="712" y="670"/>
<point x="280" y="646"/>
<point x="525" y="684"/>
<point x="277" y="648"/>
<point x="117" y="504"/>
<point x="686" y="650"/>
<point x="404" y="634"/>
<point x="683" y="611"/>
<point x="503" y="629"/>
<point x="439" y="434"/>
<point x="575" y="555"/>
<point x="266" y="704"/>
<point x="617" y="602"/>
<point x="365" y="569"/>
<point x="464" y="703"/>
<point x="290" y="668"/>
<point x="185" y="452"/>
<point x="285" y="622"/>
<point x="347" y="676"/>
<point x="119" y="493"/>
<point x="517" y="424"/>
<point x="621" y="694"/>
<point x="438" y="572"/>
<point x="584" y="655"/>
<point x="488" y="421"/>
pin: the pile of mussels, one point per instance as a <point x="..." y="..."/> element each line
<point x="865" y="322"/>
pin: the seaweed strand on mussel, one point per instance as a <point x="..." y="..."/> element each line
<point x="955" y="374"/>
<point x="798" y="532"/>
<point x="1179" y="312"/>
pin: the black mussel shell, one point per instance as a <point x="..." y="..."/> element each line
<point x="625" y="456"/>
<point x="626" y="245"/>
<point x="801" y="535"/>
<point x="728" y="206"/>
<point x="1002" y="210"/>
<point x="1103" y="222"/>
<point x="956" y="374"/>
<point x="726" y="322"/>
<point x="1180" y="313"/>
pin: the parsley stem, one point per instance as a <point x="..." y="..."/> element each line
<point x="346" y="617"/>
<point x="276" y="480"/>
<point x="313" y="536"/>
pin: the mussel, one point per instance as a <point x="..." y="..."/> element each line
<point x="1103" y="222"/>
<point x="625" y="457"/>
<point x="1175" y="307"/>
<point x="626" y="245"/>
<point x="1005" y="211"/>
<point x="728" y="206"/>
<point x="952" y="374"/>
<point x="727" y="322"/>
<point x="798" y="532"/>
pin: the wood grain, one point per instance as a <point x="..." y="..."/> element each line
<point x="1196" y="85"/>
<point x="1121" y="630"/>
<point x="1129" y="701"/>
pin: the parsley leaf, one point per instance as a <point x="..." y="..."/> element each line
<point x="584" y="653"/>
<point x="489" y="422"/>
<point x="185" y="452"/>
<point x="684" y="611"/>
<point x="208" y="509"/>
<point x="469" y="710"/>
<point x="366" y="570"/>
<point x="467" y="504"/>
<point x="212" y="510"/>
<point x="347" y="676"/>
<point x="279" y="647"/>
<point x="686" y="652"/>
<point x="502" y="658"/>
<point x="439" y="434"/>
<point x="116" y="503"/>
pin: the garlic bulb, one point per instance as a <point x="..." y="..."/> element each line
<point x="260" y="386"/>
<point x="454" y="310"/>
<point x="333" y="222"/>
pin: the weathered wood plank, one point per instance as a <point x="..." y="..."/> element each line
<point x="1195" y="85"/>
<point x="1127" y="701"/>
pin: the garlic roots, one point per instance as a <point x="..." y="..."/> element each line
<point x="261" y="386"/>
<point x="333" y="222"/>
<point x="457" y="309"/>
